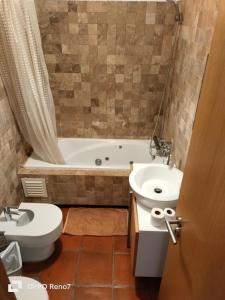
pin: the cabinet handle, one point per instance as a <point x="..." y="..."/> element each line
<point x="174" y="233"/>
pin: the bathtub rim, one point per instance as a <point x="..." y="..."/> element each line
<point x="41" y="171"/>
<point x="72" y="168"/>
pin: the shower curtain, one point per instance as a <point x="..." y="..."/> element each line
<point x="24" y="73"/>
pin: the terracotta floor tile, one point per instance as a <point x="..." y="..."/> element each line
<point x="32" y="268"/>
<point x="37" y="267"/>
<point x="70" y="242"/>
<point x="60" y="270"/>
<point x="94" y="268"/>
<point x="131" y="294"/>
<point x="88" y="261"/>
<point x="93" y="294"/>
<point x="122" y="270"/>
<point x="97" y="244"/>
<point x="60" y="294"/>
<point x="120" y="244"/>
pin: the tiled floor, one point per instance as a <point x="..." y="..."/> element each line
<point x="98" y="268"/>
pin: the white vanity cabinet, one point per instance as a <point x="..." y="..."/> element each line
<point x="148" y="243"/>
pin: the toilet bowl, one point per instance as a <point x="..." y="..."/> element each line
<point x="26" y="288"/>
<point x="36" y="229"/>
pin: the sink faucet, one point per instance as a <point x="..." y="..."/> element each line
<point x="8" y="212"/>
<point x="163" y="148"/>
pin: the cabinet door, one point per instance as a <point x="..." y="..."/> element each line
<point x="134" y="233"/>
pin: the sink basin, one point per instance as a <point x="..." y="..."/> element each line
<point x="156" y="185"/>
<point x="25" y="217"/>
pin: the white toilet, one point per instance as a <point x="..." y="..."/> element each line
<point x="36" y="228"/>
<point x="26" y="288"/>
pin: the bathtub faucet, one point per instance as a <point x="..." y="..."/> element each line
<point x="163" y="148"/>
<point x="8" y="212"/>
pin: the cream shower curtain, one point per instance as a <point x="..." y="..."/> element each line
<point x="24" y="73"/>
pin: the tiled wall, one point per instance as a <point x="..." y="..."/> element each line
<point x="11" y="153"/>
<point x="193" y="48"/>
<point x="84" y="189"/>
<point x="107" y="63"/>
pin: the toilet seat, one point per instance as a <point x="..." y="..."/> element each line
<point x="28" y="288"/>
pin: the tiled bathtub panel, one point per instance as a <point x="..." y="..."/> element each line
<point x="107" y="63"/>
<point x="84" y="190"/>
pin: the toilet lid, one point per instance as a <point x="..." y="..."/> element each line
<point x="27" y="288"/>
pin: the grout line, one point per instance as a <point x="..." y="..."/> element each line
<point x="113" y="267"/>
<point x="123" y="286"/>
<point x="113" y="295"/>
<point x="74" y="294"/>
<point x="121" y="253"/>
<point x="78" y="265"/>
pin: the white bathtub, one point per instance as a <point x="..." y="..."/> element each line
<point x="98" y="154"/>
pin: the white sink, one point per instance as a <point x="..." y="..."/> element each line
<point x="156" y="185"/>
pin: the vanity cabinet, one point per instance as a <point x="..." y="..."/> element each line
<point x="148" y="243"/>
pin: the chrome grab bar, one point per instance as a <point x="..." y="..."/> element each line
<point x="174" y="234"/>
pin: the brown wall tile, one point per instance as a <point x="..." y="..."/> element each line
<point x="112" y="52"/>
<point x="84" y="189"/>
<point x="192" y="50"/>
<point x="12" y="153"/>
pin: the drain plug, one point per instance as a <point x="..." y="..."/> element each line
<point x="158" y="190"/>
<point x="98" y="162"/>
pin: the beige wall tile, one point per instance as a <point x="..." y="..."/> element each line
<point x="110" y="46"/>
<point x="12" y="154"/>
<point x="193" y="48"/>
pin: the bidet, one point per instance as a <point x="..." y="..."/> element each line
<point x="36" y="228"/>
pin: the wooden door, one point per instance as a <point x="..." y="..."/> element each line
<point x="195" y="267"/>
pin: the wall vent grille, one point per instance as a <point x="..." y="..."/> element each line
<point x="34" y="187"/>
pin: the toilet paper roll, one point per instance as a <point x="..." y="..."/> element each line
<point x="169" y="213"/>
<point x="157" y="217"/>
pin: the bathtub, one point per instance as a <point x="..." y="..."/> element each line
<point x="96" y="171"/>
<point x="97" y="153"/>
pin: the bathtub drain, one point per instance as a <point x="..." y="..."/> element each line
<point x="98" y="162"/>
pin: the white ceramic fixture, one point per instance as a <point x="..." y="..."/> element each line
<point x="82" y="153"/>
<point x="27" y="288"/>
<point x="156" y="185"/>
<point x="36" y="229"/>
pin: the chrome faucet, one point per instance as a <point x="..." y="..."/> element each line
<point x="163" y="148"/>
<point x="157" y="143"/>
<point x="8" y="212"/>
